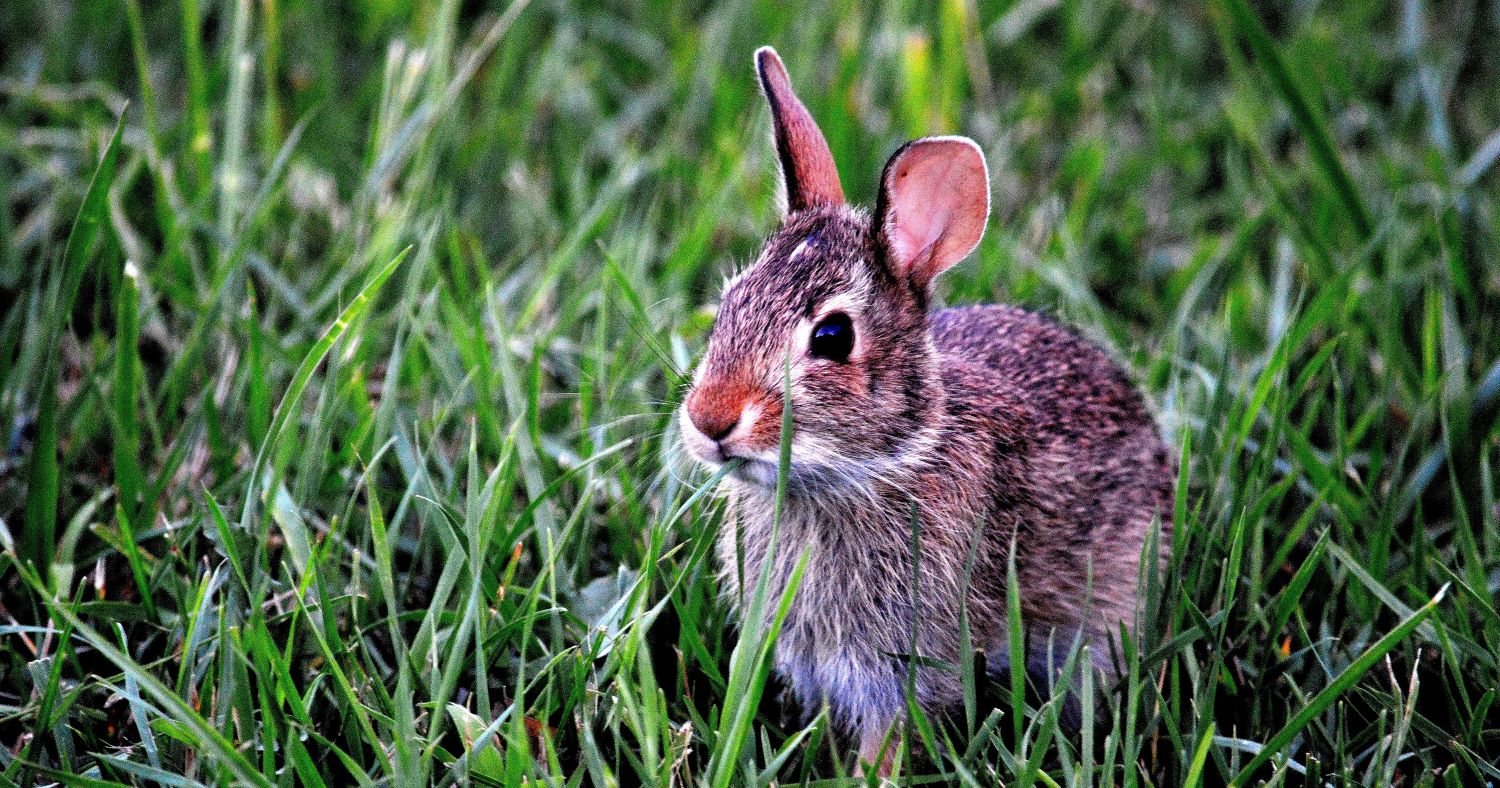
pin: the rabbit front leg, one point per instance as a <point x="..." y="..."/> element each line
<point x="877" y="749"/>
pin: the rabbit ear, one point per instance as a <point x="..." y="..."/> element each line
<point x="806" y="163"/>
<point x="933" y="205"/>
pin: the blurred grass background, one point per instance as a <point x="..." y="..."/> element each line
<point x="339" y="345"/>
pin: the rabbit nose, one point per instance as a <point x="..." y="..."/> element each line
<point x="716" y="430"/>
<point x="716" y="424"/>
<point x="716" y="410"/>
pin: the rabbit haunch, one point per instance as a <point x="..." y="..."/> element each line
<point x="987" y="422"/>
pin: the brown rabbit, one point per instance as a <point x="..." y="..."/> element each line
<point x="985" y="421"/>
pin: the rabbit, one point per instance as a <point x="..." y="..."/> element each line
<point x="987" y="423"/>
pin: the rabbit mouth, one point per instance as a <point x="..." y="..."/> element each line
<point x="754" y="471"/>
<point x="802" y="478"/>
<point x="749" y="469"/>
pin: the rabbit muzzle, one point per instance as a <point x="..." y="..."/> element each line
<point x="725" y="419"/>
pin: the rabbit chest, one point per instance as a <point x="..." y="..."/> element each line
<point x="869" y="596"/>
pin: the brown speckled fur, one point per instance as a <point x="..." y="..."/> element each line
<point x="984" y="419"/>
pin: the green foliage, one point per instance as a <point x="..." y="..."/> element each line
<point x="339" y="348"/>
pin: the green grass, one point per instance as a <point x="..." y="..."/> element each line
<point x="339" y="347"/>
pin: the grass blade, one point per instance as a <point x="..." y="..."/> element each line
<point x="290" y="402"/>
<point x="1336" y="688"/>
<point x="1309" y="120"/>
<point x="40" y="529"/>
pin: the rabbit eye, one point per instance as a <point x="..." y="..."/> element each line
<point x="833" y="338"/>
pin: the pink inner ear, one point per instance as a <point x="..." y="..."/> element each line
<point x="936" y="202"/>
<point x="920" y="226"/>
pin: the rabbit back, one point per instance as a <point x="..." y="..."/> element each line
<point x="1098" y="475"/>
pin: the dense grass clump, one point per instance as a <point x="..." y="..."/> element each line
<point x="339" y="346"/>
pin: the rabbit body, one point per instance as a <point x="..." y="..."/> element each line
<point x="919" y="439"/>
<point x="1015" y="429"/>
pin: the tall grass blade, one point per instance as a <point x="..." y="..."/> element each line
<point x="64" y="276"/>
<point x="1309" y="120"/>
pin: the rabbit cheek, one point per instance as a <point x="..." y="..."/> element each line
<point x="852" y="381"/>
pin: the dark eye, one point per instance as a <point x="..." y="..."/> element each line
<point x="832" y="337"/>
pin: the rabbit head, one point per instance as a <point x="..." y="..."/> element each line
<point x="837" y="301"/>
